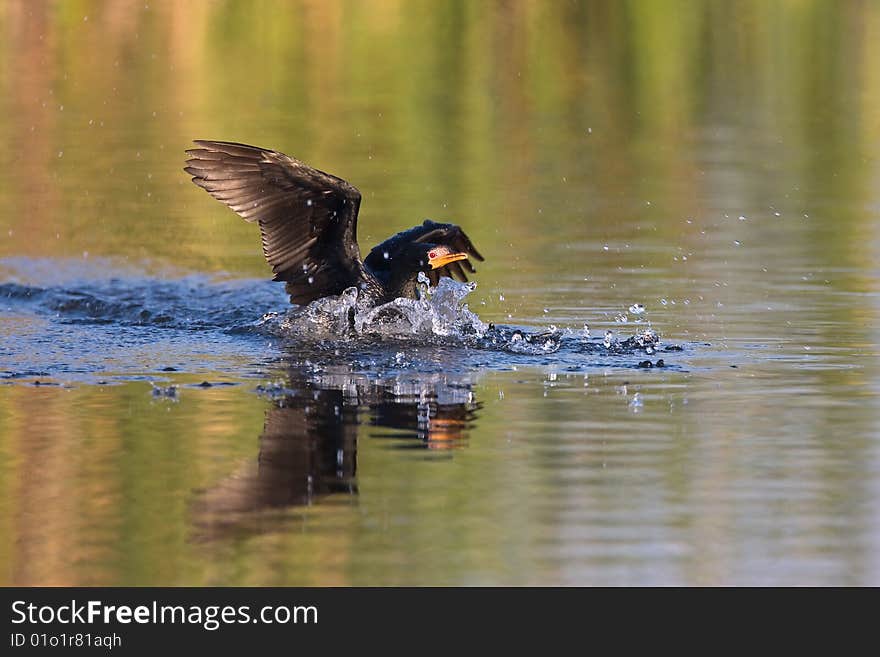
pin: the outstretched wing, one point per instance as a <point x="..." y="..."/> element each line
<point x="430" y="232"/>
<point x="307" y="218"/>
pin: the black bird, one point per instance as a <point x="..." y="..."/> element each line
<point x="308" y="223"/>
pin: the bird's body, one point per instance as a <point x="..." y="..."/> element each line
<point x="308" y="224"/>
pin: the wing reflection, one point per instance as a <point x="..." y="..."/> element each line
<point x="308" y="447"/>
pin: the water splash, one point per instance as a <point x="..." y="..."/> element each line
<point x="111" y="324"/>
<point x="535" y="344"/>
<point x="609" y="340"/>
<point x="165" y="392"/>
<point x="440" y="315"/>
<point x="438" y="311"/>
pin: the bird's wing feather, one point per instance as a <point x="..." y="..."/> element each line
<point x="307" y="218"/>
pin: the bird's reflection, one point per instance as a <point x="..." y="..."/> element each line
<point x="308" y="447"/>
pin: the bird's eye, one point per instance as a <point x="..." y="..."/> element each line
<point x="432" y="255"/>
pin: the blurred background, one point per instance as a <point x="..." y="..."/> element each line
<point x="717" y="161"/>
<point x="532" y="123"/>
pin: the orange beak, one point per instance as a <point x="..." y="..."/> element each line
<point x="444" y="260"/>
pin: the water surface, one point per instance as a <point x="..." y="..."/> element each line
<point x="715" y="163"/>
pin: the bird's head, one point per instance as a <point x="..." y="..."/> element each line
<point x="425" y="257"/>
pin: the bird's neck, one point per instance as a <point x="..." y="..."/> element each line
<point x="393" y="284"/>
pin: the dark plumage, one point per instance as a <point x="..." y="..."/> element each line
<point x="308" y="223"/>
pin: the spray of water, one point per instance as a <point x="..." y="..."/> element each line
<point x="438" y="311"/>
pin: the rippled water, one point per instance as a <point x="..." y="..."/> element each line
<point x="703" y="188"/>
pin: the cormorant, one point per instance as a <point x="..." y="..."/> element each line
<point x="308" y="223"/>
